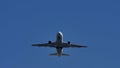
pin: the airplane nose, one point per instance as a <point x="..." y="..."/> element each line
<point x="59" y="33"/>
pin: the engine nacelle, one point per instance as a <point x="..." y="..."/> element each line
<point x="69" y="42"/>
<point x="49" y="42"/>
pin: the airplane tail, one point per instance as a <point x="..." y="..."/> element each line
<point x="56" y="54"/>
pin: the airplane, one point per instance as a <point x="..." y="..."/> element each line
<point x="59" y="45"/>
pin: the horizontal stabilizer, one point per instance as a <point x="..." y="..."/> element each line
<point x="56" y="54"/>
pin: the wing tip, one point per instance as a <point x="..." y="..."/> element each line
<point x="84" y="46"/>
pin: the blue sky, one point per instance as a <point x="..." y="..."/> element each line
<point x="95" y="23"/>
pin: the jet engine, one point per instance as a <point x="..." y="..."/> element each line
<point x="69" y="42"/>
<point x="49" y="42"/>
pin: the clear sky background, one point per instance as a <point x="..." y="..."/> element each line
<point x="95" y="23"/>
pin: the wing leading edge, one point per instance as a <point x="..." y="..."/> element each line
<point x="78" y="46"/>
<point x="64" y="45"/>
<point x="44" y="45"/>
<point x="73" y="45"/>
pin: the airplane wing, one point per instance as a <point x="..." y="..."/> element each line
<point x="73" y="45"/>
<point x="44" y="45"/>
<point x="78" y="46"/>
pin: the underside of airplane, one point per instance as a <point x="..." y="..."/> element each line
<point x="59" y="45"/>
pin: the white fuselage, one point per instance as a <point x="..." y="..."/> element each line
<point x="59" y="41"/>
<point x="59" y="38"/>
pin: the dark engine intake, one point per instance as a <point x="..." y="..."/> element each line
<point x="49" y="42"/>
<point x="68" y="42"/>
